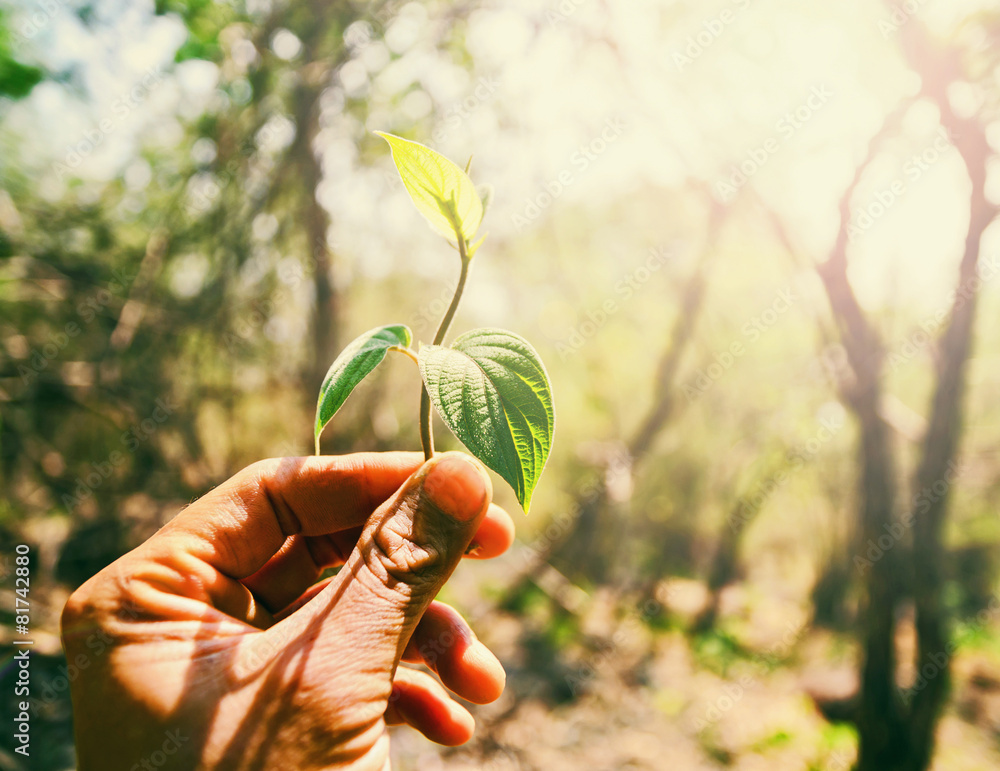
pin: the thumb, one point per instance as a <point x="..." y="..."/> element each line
<point x="407" y="551"/>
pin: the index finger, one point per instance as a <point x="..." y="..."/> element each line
<point x="240" y="525"/>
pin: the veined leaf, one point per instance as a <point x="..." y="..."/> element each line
<point x="442" y="192"/>
<point x="491" y="389"/>
<point x="353" y="365"/>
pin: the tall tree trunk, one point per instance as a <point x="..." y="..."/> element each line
<point x="939" y="68"/>
<point x="323" y="326"/>
<point x="880" y="718"/>
<point x="939" y="450"/>
<point x="896" y="730"/>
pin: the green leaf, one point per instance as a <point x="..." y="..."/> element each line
<point x="442" y="192"/>
<point x="353" y="365"/>
<point x="492" y="390"/>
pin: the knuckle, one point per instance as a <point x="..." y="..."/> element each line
<point x="103" y="605"/>
<point x="411" y="551"/>
<point x="254" y="474"/>
<point x="75" y="608"/>
<point x="404" y="557"/>
<point x="79" y="614"/>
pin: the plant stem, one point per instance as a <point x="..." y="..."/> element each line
<point x="406" y="352"/>
<point x="450" y="314"/>
<point x="426" y="433"/>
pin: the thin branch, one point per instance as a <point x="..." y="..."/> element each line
<point x="135" y="308"/>
<point x="426" y="427"/>
<point x="860" y="339"/>
<point x="679" y="341"/>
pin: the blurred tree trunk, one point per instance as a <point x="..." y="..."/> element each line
<point x="939" y="69"/>
<point x="581" y="547"/>
<point x="830" y="596"/>
<point x="314" y="77"/>
<point x="586" y="548"/>
<point x="315" y="223"/>
<point x="896" y="728"/>
<point x="725" y="559"/>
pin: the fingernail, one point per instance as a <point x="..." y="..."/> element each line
<point x="457" y="487"/>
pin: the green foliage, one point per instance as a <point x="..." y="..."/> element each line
<point x="776" y="740"/>
<point x="492" y="391"/>
<point x="717" y="650"/>
<point x="490" y="387"/>
<point x="204" y="21"/>
<point x="356" y="362"/>
<point x="16" y="78"/>
<point x="441" y="191"/>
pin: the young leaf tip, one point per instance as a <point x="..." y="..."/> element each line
<point x="441" y="190"/>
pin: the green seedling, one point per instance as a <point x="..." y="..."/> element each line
<point x="489" y="386"/>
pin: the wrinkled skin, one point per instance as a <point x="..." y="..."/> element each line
<point x="212" y="646"/>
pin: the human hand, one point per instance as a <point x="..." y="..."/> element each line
<point x="211" y="646"/>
